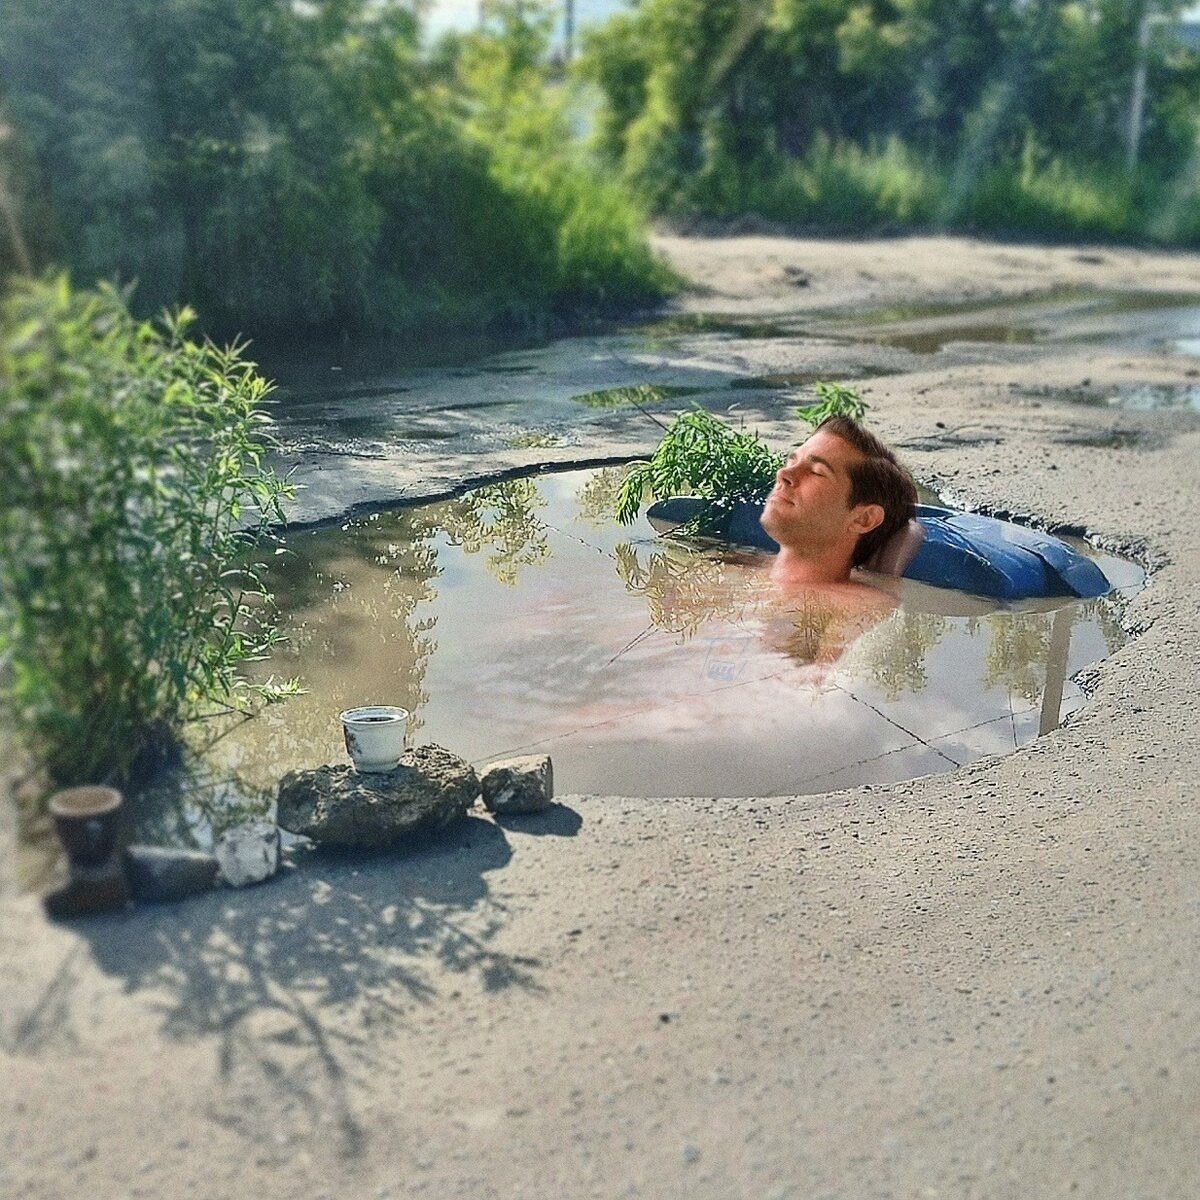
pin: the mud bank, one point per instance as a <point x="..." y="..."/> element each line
<point x="979" y="984"/>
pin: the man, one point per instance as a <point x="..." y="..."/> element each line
<point x="839" y="497"/>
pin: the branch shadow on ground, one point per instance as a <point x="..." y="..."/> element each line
<point x="300" y="980"/>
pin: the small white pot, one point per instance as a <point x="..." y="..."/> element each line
<point x="375" y="736"/>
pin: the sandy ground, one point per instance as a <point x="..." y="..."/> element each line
<point x="980" y="984"/>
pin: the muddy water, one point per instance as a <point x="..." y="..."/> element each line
<point x="520" y="618"/>
<point x="472" y="397"/>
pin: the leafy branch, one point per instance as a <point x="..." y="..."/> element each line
<point x="133" y="492"/>
<point x="700" y="455"/>
<point x="833" y="400"/>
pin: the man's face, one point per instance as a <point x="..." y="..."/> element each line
<point x="809" y="507"/>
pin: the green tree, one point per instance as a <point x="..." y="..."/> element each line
<point x="296" y="167"/>
<point x="834" y="110"/>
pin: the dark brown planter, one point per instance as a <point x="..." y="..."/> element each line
<point x="87" y="820"/>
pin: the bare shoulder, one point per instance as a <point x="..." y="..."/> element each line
<point x="850" y="599"/>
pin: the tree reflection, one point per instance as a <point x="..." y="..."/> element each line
<point x="685" y="590"/>
<point x="352" y="638"/>
<point x="501" y="517"/>
<point x="1017" y="650"/>
<point x="893" y="654"/>
<point x="366" y="640"/>
<point x="597" y="498"/>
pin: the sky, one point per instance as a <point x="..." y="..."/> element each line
<point x="463" y="14"/>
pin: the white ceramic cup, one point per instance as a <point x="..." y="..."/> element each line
<point x="375" y="736"/>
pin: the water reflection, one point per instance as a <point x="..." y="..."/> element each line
<point x="683" y="590"/>
<point x="894" y="655"/>
<point x="503" y="518"/>
<point x="519" y="618"/>
<point x="596" y="496"/>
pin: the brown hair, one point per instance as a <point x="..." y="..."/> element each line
<point x="877" y="479"/>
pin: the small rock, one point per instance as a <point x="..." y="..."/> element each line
<point x="338" y="806"/>
<point x="248" y="853"/>
<point x="158" y="873"/>
<point x="519" y="785"/>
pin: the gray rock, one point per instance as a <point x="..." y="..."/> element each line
<point x="248" y="853"/>
<point x="158" y="873"/>
<point x="338" y="806"/>
<point x="519" y="785"/>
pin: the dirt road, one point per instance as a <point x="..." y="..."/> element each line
<point x="979" y="984"/>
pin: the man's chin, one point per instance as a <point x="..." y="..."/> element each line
<point x="769" y="518"/>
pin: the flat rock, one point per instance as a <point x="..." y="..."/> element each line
<point x="248" y="853"/>
<point x="161" y="873"/>
<point x="338" y="806"/>
<point x="524" y="784"/>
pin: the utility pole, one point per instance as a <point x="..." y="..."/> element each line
<point x="8" y="206"/>
<point x="1137" y="99"/>
<point x="569" y="32"/>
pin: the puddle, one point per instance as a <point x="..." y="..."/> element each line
<point x="324" y="397"/>
<point x="1077" y="299"/>
<point x="798" y="379"/>
<point x="377" y="427"/>
<point x="533" y="440"/>
<point x="634" y="394"/>
<point x="1077" y="314"/>
<point x="690" y="324"/>
<point x="519" y="618"/>
<point x="928" y="309"/>
<point x="934" y="340"/>
<point x="345" y="365"/>
<point x="1153" y="396"/>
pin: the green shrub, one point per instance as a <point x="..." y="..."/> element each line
<point x="1052" y="198"/>
<point x="833" y="400"/>
<point x="835" y="186"/>
<point x="701" y="456"/>
<point x="132" y="486"/>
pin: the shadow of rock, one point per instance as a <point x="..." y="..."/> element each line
<point x="556" y="821"/>
<point x="298" y="978"/>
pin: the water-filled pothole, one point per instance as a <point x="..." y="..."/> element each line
<point x="520" y="618"/>
<point x="796" y="379"/>
<point x="1141" y="397"/>
<point x="932" y="341"/>
<point x="631" y="395"/>
<point x="690" y="324"/>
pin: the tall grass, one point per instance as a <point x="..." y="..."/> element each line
<point x="1053" y="198"/>
<point x="836" y="186"/>
<point x="842" y="187"/>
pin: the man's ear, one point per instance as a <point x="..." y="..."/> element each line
<point x="867" y="517"/>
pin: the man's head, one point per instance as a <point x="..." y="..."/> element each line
<point x="841" y="490"/>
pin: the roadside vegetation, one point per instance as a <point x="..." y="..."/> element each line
<point x="314" y="167"/>
<point x="132" y="491"/>
<point x="291" y="168"/>
<point x="1046" y="120"/>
